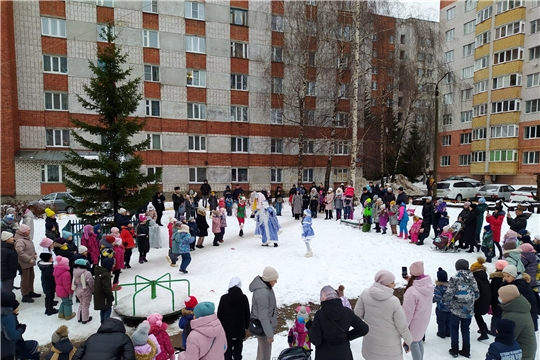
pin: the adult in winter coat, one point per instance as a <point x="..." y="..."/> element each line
<point x="233" y="312"/>
<point x="388" y="325"/>
<point x="158" y="200"/>
<point x="481" y="207"/>
<point x="512" y="277"/>
<point x="469" y="232"/>
<point x="495" y="283"/>
<point x="516" y="308"/>
<point x="205" y="192"/>
<point x="389" y="196"/>
<point x="330" y="330"/>
<point x="121" y="218"/>
<point x="264" y="309"/>
<point x="505" y="346"/>
<point x="297" y="206"/>
<point x="496" y="221"/>
<point x="27" y="260"/>
<point x="10" y="261"/>
<point x="427" y="220"/>
<point x="519" y="222"/>
<point x="528" y="258"/>
<point x="237" y="192"/>
<point x="28" y="219"/>
<point x="481" y="305"/>
<point x="89" y="239"/>
<point x="109" y="343"/>
<point x="417" y="301"/>
<point x="329" y="204"/>
<point x="178" y="202"/>
<point x="402" y="196"/>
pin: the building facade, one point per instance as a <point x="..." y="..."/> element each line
<point x="490" y="118"/>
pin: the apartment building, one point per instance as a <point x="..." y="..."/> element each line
<point x="490" y="118"/>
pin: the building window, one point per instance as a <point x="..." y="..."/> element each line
<point x="531" y="157"/>
<point x="532" y="106"/>
<point x="450" y="35"/>
<point x="307" y="175"/>
<point x="311" y="58"/>
<point x="466" y="116"/>
<point x="197" y="175"/>
<point x="155" y="141"/>
<point x="342" y="120"/>
<point x="309" y="146"/>
<point x="535" y="26"/>
<point x="153" y="108"/>
<point x="478" y="156"/>
<point x="51" y="173"/>
<point x="505" y="5"/>
<point x="504" y="106"/>
<point x="55" y="64"/>
<point x="239" y="50"/>
<point x="240" y="144"/>
<point x="150" y="38"/>
<point x="508" y="55"/>
<point x="277" y="23"/>
<point x="468" y="50"/>
<point x="467" y="73"/>
<point x="504" y="131"/>
<point x="402" y="55"/>
<point x="108" y="3"/>
<point x="309" y="118"/>
<point x="345" y="33"/>
<point x="341" y="148"/>
<point x="447" y="119"/>
<point x="276" y="146"/>
<point x="483" y="39"/>
<point x="57" y="137"/>
<point x="275" y="176"/>
<point x="277" y="85"/>
<point x="374" y="70"/>
<point x="150" y="6"/>
<point x="534" y="53"/>
<point x="481" y="86"/>
<point x="157" y="171"/>
<point x="481" y="63"/>
<point x="151" y="73"/>
<point x="465" y="160"/>
<point x="510" y="29"/>
<point x="195" y="44"/>
<point x="449" y="56"/>
<point x="194" y="10"/>
<point x="102" y="32"/>
<point x="484" y="14"/>
<point x="479" y="134"/>
<point x="391" y="39"/>
<point x="445" y="160"/>
<point x="239" y="17"/>
<point x="310" y="88"/>
<point x="531" y="132"/>
<point x="469" y="27"/>
<point x="53" y="27"/>
<point x="56" y="101"/>
<point x="196" y="78"/>
<point x="196" y="111"/>
<point x="470" y="5"/>
<point x="373" y="85"/>
<point x="502" y="155"/>
<point x="506" y="81"/>
<point x="239" y="113"/>
<point x="341" y="175"/>
<point x="238" y="82"/>
<point x="465" y="138"/>
<point x="478" y="110"/>
<point x="466" y="94"/>
<point x="196" y="143"/>
<point x="276" y="116"/>
<point x="446" y="140"/>
<point x="533" y="80"/>
<point x="344" y="91"/>
<point x="239" y="175"/>
<point x="277" y="54"/>
<point x="451" y="13"/>
<point x="448" y="99"/>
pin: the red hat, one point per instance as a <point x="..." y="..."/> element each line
<point x="191" y="302"/>
<point x="110" y="239"/>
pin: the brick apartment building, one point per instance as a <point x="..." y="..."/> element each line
<point x="491" y="111"/>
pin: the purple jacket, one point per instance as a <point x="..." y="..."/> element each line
<point x="417" y="306"/>
<point x="206" y="341"/>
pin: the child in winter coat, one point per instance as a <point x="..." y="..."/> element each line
<point x="496" y="278"/>
<point x="376" y="213"/>
<point x="403" y="218"/>
<point x="83" y="254"/>
<point x="528" y="258"/>
<point x="487" y="243"/>
<point x="202" y="227"/>
<point x="172" y="257"/>
<point x="143" y="240"/>
<point x="170" y="225"/>
<point x="368" y="211"/>
<point x="221" y="203"/>
<point x="443" y="221"/>
<point x="504" y="346"/>
<point x="62" y="278"/>
<point x="50" y="230"/>
<point x="118" y="262"/>
<point x="338" y="202"/>
<point x="307" y="232"/>
<point x="145" y="345"/>
<point x="83" y="285"/>
<point x="223" y="223"/>
<point x="62" y="348"/>
<point x="415" y="229"/>
<point x="181" y="240"/>
<point x="193" y="229"/>
<point x="496" y="220"/>
<point x="187" y="316"/>
<point x="106" y="247"/>
<point x="159" y="329"/>
<point x="298" y="333"/>
<point x="213" y="201"/>
<point x="393" y="216"/>
<point x="216" y="227"/>
<point x="229" y="205"/>
<point x="48" y="284"/>
<point x="383" y="218"/>
<point x="90" y="240"/>
<point x="127" y="236"/>
<point x="103" y="295"/>
<point x="442" y="310"/>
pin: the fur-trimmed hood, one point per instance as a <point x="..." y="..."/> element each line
<point x="496" y="274"/>
<point x="441" y="283"/>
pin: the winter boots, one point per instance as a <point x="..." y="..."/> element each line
<point x="116" y="287"/>
<point x="384" y="230"/>
<point x="466" y="351"/>
<point x="454" y="350"/>
<point x="49" y="306"/>
<point x="241" y="233"/>
<point x="27" y="299"/>
<point x="394" y="229"/>
<point x="309" y="254"/>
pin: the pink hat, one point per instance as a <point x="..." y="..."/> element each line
<point x="24" y="229"/>
<point x="155" y="319"/>
<point x="384" y="277"/>
<point x="62" y="261"/>
<point x="417" y="268"/>
<point x="142" y="217"/>
<point x="501" y="264"/>
<point x="46" y="242"/>
<point x="527" y="247"/>
<point x="115" y="230"/>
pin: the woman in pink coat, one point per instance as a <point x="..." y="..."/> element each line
<point x="417" y="302"/>
<point x="62" y="277"/>
<point x="206" y="340"/>
<point x="89" y="239"/>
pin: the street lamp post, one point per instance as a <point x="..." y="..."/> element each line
<point x="436" y="137"/>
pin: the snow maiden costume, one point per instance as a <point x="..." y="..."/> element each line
<point x="307" y="231"/>
<point x="267" y="226"/>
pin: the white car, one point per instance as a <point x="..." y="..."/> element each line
<point x="475" y="182"/>
<point x="457" y="190"/>
<point x="524" y="193"/>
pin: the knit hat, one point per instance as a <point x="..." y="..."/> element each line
<point x="417" y="268"/>
<point x="302" y="314"/>
<point x="9" y="300"/>
<point x="59" y="334"/>
<point x="66" y="234"/>
<point x="46" y="257"/>
<point x="49" y="212"/>
<point x="45" y="242"/>
<point x="184" y="228"/>
<point x="537" y="236"/>
<point x="6" y="235"/>
<point x="24" y="229"/>
<point x="478" y="265"/>
<point x="140" y="336"/>
<point x="269" y="274"/>
<point x="82" y="249"/>
<point x="467" y="204"/>
<point x="115" y="231"/>
<point x="527" y="247"/>
<point x="107" y="263"/>
<point x="384" y="277"/>
<point x="482" y="200"/>
<point x="487" y="227"/>
<point x="155" y="319"/>
<point x="190" y="302"/>
<point x="121" y="210"/>
<point x="62" y="261"/>
<point x="60" y="241"/>
<point x="235" y="281"/>
<point x="510" y="235"/>
<point x="400" y="188"/>
<point x="501" y="264"/>
<point x="510" y="270"/>
<point x="511" y="245"/>
<point x="462" y="264"/>
<point x="10" y="217"/>
<point x="204" y="309"/>
<point x="522" y="232"/>
<point x="142" y="217"/>
<point x="81" y="262"/>
<point x="328" y="293"/>
<point x="442" y="275"/>
<point x="508" y="293"/>
<point x="110" y="239"/>
<point x="307" y="212"/>
<point x="505" y="326"/>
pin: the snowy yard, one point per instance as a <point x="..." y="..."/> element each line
<point x="342" y="255"/>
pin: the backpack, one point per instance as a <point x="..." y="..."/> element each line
<point x="295" y="353"/>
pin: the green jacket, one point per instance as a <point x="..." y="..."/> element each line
<point x="481" y="210"/>
<point x="518" y="310"/>
<point x="103" y="295"/>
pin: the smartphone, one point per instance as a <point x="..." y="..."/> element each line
<point x="406" y="347"/>
<point x="404" y="273"/>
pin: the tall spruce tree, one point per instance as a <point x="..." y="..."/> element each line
<point x="112" y="179"/>
<point x="412" y="158"/>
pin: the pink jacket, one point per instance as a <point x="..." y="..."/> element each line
<point x="415" y="228"/>
<point x="119" y="257"/>
<point x="206" y="341"/>
<point x="62" y="277"/>
<point x="89" y="239"/>
<point x="417" y="303"/>
<point x="349" y="191"/>
<point x="167" y="350"/>
<point x="401" y="212"/>
<point x="216" y="224"/>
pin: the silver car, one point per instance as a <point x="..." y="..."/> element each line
<point x="494" y="192"/>
<point x="57" y="200"/>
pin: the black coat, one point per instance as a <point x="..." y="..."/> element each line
<point x="143" y="239"/>
<point x="236" y="193"/>
<point x="330" y="332"/>
<point x="205" y="189"/>
<point x="159" y="202"/>
<point x="52" y="222"/>
<point x="481" y="305"/>
<point x="233" y="312"/>
<point x="47" y="278"/>
<point x="178" y="200"/>
<point x="63" y="348"/>
<point x="202" y="225"/>
<point x="364" y="197"/>
<point x="388" y="196"/>
<point x="518" y="223"/>
<point x="401" y="198"/>
<point x="109" y="343"/>
<point x="496" y="282"/>
<point x="427" y="214"/>
<point x="103" y="295"/>
<point x="470" y="227"/>
<point x="121" y="220"/>
<point x="10" y="262"/>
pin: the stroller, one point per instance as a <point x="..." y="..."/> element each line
<point x="295" y="353"/>
<point x="444" y="244"/>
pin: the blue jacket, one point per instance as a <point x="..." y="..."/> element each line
<point x="440" y="289"/>
<point x="10" y="333"/>
<point x="442" y="223"/>
<point x="185" y="324"/>
<point x="307" y="230"/>
<point x="504" y="348"/>
<point x="461" y="294"/>
<point x="193" y="228"/>
<point x="180" y="243"/>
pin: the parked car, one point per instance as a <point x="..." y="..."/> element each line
<point x="524" y="193"/>
<point x="494" y="192"/>
<point x="464" y="178"/>
<point x="58" y="201"/>
<point x="457" y="190"/>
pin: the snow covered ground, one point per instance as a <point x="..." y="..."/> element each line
<point x="342" y="255"/>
